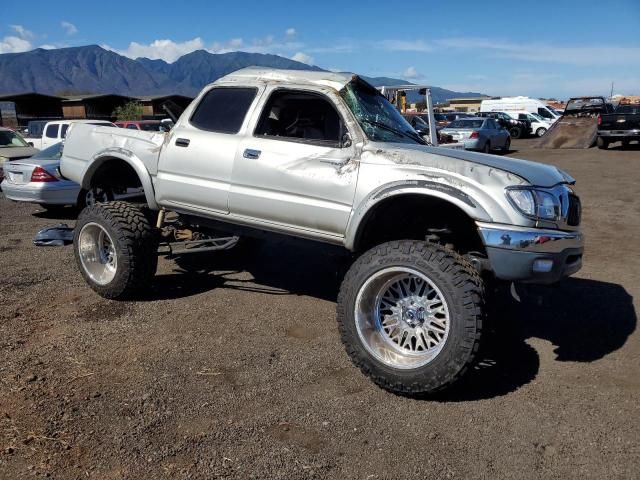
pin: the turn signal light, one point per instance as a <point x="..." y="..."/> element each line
<point x="41" y="175"/>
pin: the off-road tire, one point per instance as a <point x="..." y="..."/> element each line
<point x="464" y="291"/>
<point x="602" y="143"/>
<point x="136" y="244"/>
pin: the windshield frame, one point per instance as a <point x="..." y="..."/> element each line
<point x="387" y="124"/>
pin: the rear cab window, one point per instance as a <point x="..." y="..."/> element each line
<point x="223" y="109"/>
<point x="52" y="131"/>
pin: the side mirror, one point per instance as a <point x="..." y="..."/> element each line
<point x="30" y="144"/>
<point x="346" y="140"/>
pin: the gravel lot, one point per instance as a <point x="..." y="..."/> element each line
<point x="240" y="373"/>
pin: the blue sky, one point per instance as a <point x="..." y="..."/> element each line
<point x="528" y="47"/>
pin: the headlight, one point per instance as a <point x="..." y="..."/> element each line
<point x="535" y="203"/>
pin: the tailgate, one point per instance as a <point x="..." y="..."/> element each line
<point x="619" y="121"/>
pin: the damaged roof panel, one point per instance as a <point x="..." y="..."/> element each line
<point x="328" y="79"/>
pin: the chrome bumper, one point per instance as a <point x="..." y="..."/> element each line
<point x="530" y="254"/>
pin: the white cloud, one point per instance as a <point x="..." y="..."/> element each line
<point x="290" y="32"/>
<point x="302" y="57"/>
<point x="167" y="50"/>
<point x="405" y="46"/>
<point x="411" y="73"/>
<point x="582" y="56"/>
<point x="22" y="32"/>
<point x="69" y="28"/>
<point x="11" y="44"/>
<point x="19" y="43"/>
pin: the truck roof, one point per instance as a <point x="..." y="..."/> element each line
<point x="268" y="75"/>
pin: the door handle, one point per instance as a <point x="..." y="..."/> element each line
<point x="252" y="154"/>
<point x="182" y="142"/>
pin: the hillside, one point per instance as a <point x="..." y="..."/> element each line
<point x="96" y="70"/>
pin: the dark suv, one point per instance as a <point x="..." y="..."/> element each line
<point x="517" y="128"/>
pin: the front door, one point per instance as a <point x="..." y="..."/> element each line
<point x="296" y="169"/>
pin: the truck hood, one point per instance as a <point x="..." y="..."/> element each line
<point x="17" y="152"/>
<point x="537" y="174"/>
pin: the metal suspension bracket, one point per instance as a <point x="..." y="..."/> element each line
<point x="173" y="249"/>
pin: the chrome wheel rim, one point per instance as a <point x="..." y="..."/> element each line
<point x="97" y="253"/>
<point x="402" y="318"/>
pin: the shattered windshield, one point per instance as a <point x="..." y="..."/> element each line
<point x="379" y="119"/>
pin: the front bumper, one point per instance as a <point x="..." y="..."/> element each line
<point x="531" y="255"/>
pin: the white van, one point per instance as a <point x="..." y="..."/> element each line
<point x="539" y="125"/>
<point x="515" y="104"/>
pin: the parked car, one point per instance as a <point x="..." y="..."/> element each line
<point x="146" y="125"/>
<point x="325" y="156"/>
<point x="38" y="180"/>
<point x="483" y="134"/>
<point x="621" y="125"/>
<point x="13" y="147"/>
<point x="517" y="128"/>
<point x="420" y="123"/>
<point x="538" y="126"/>
<point x="55" y="131"/>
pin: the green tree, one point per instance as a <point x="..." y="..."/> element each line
<point x="129" y="111"/>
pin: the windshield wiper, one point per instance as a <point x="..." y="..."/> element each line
<point x="384" y="126"/>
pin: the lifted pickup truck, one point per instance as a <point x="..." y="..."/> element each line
<point x="326" y="157"/>
<point x="623" y="125"/>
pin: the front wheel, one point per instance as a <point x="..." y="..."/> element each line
<point x="541" y="131"/>
<point x="115" y="247"/>
<point x="410" y="316"/>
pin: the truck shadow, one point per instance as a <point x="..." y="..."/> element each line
<point x="584" y="320"/>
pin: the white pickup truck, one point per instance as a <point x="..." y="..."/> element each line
<point x="326" y="157"/>
<point x="55" y="131"/>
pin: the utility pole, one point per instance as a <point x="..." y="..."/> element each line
<point x="611" y="96"/>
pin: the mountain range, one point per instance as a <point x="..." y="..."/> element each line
<point x="92" y="69"/>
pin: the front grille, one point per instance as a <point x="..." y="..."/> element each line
<point x="575" y="211"/>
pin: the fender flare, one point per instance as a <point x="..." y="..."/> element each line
<point x="129" y="158"/>
<point x="425" y="188"/>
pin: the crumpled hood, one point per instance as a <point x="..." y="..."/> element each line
<point x="17" y="152"/>
<point x="537" y="174"/>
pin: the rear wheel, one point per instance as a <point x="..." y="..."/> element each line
<point x="487" y="147"/>
<point x="52" y="208"/>
<point x="515" y="132"/>
<point x="410" y="315"/>
<point x="115" y="247"/>
<point x="602" y="143"/>
<point x="541" y="131"/>
<point x="507" y="145"/>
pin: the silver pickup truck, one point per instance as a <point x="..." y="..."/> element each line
<point x="326" y="157"/>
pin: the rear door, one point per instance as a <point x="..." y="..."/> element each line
<point x="295" y="168"/>
<point x="194" y="170"/>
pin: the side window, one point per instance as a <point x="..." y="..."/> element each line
<point x="300" y="116"/>
<point x="52" y="131"/>
<point x="543" y="112"/>
<point x="491" y="124"/>
<point x="223" y="109"/>
<point x="522" y="116"/>
<point x="132" y="126"/>
<point x="63" y="130"/>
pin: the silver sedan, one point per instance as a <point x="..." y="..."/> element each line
<point x="38" y="180"/>
<point x="482" y="134"/>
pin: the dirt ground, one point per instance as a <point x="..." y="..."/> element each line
<point x="240" y="373"/>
